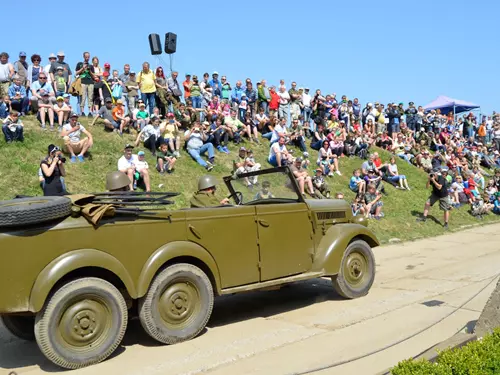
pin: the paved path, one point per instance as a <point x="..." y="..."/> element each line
<point x="307" y="326"/>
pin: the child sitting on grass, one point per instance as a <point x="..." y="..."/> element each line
<point x="320" y="186"/>
<point x="358" y="206"/>
<point x="357" y="184"/>
<point x="481" y="206"/>
<point x="373" y="203"/>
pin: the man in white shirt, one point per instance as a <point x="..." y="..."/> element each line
<point x="6" y="73"/>
<point x="128" y="163"/>
<point x="278" y="154"/>
<point x="46" y="69"/>
<point x="307" y="109"/>
<point x="73" y="143"/>
<point x="39" y="88"/>
<point x="279" y="131"/>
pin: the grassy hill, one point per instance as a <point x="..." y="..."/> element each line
<point x="20" y="162"/>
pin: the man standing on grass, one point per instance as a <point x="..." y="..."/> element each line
<point x="85" y="71"/>
<point x="439" y="193"/>
<point x="6" y="73"/>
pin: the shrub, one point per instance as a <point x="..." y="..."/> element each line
<point x="481" y="357"/>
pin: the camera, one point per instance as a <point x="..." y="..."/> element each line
<point x="63" y="159"/>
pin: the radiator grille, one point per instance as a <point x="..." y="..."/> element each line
<point x="330" y="215"/>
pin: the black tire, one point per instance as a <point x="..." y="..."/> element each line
<point x="26" y="211"/>
<point x="22" y="327"/>
<point x="82" y="323"/>
<point x="357" y="271"/>
<point x="178" y="304"/>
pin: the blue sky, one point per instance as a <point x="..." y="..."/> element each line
<point x="376" y="50"/>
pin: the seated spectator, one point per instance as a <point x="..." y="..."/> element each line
<point x="105" y="113"/>
<point x="394" y="176"/>
<point x="62" y="111"/>
<point x="237" y="127"/>
<point x="373" y="202"/>
<point x="496" y="204"/>
<point x="356" y="183"/>
<point x="73" y="143"/>
<point x="13" y="127"/>
<point x="337" y="146"/>
<point x="4" y="107"/>
<point x="384" y="141"/>
<point x="18" y="96"/>
<point x="246" y="165"/>
<point x="165" y="160"/>
<point x="195" y="144"/>
<point x="150" y="136"/>
<point x="320" y="185"/>
<point x="303" y="179"/>
<point x="376" y="180"/>
<point x="52" y="172"/>
<point x="142" y="117"/>
<point x="481" y="206"/>
<point x="45" y="108"/>
<point x="120" y="122"/>
<point x="280" y="130"/>
<point x="327" y="161"/>
<point x="297" y="135"/>
<point x="399" y="148"/>
<point x="358" y="206"/>
<point x="318" y="137"/>
<point x="370" y="165"/>
<point x="491" y="189"/>
<point x="141" y="165"/>
<point x="278" y="154"/>
<point x="127" y="164"/>
<point x="219" y="135"/>
<point x="264" y="193"/>
<point x="38" y="89"/>
<point x="171" y="134"/>
<point x="424" y="161"/>
<point x="457" y="192"/>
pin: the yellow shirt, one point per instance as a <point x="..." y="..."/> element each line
<point x="169" y="131"/>
<point x="147" y="82"/>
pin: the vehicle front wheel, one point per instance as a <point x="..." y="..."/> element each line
<point x="178" y="304"/>
<point x="82" y="323"/>
<point x="357" y="271"/>
<point x="22" y="327"/>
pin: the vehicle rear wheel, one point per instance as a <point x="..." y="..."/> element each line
<point x="357" y="271"/>
<point x="178" y="304"/>
<point x="22" y="327"/>
<point x="82" y="323"/>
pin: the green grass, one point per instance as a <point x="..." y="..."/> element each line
<point x="20" y="162"/>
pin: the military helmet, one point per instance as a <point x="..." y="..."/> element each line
<point x="116" y="180"/>
<point x="206" y="181"/>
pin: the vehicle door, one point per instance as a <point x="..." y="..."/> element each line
<point x="230" y="235"/>
<point x="285" y="239"/>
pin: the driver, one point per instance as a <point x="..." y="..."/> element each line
<point x="117" y="181"/>
<point x="205" y="196"/>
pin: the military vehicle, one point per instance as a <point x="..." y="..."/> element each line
<point x="74" y="269"/>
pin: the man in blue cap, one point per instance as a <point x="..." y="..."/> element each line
<point x="21" y="68"/>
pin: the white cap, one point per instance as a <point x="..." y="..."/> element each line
<point x="215" y="72"/>
<point x="52" y="56"/>
<point x="370" y="105"/>
<point x="60" y="53"/>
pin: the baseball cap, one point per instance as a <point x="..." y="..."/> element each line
<point x="128" y="145"/>
<point x="299" y="159"/>
<point x="60" y="99"/>
<point x="140" y="104"/>
<point x="170" y="114"/>
<point x="22" y="54"/>
<point x="141" y="153"/>
<point x="52" y="56"/>
<point x="119" y="101"/>
<point x="60" y="53"/>
<point x="319" y="170"/>
<point x="106" y="65"/>
<point x="243" y="149"/>
<point x="52" y="148"/>
<point x="305" y="154"/>
<point x="73" y="114"/>
<point x="109" y="100"/>
<point x="215" y="72"/>
<point x="59" y="68"/>
<point x="132" y="73"/>
<point x="44" y="93"/>
<point x="188" y="75"/>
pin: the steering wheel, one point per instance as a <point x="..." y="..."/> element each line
<point x="239" y="197"/>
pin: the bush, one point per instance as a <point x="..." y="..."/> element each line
<point x="480" y="357"/>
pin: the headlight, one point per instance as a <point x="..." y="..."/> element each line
<point x="361" y="220"/>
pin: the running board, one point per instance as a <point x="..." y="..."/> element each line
<point x="272" y="283"/>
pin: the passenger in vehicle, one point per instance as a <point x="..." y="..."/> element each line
<point x="264" y="193"/>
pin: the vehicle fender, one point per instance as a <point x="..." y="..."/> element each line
<point x="72" y="261"/>
<point x="176" y="249"/>
<point x="330" y="250"/>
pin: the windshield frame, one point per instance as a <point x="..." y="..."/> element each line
<point x="284" y="169"/>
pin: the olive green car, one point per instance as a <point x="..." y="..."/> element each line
<point x="71" y="285"/>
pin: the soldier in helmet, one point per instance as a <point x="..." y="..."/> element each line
<point x="117" y="181"/>
<point x="205" y="196"/>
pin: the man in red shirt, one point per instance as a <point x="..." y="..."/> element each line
<point x="274" y="102"/>
<point x="187" y="86"/>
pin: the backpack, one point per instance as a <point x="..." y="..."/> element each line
<point x="75" y="88"/>
<point x="117" y="91"/>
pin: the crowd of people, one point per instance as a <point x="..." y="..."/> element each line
<point x="202" y="115"/>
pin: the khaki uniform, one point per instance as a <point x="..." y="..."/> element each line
<point x="203" y="199"/>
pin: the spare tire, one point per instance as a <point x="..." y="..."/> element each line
<point x="26" y="211"/>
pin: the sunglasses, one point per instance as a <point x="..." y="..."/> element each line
<point x="42" y="77"/>
<point x="37" y="60"/>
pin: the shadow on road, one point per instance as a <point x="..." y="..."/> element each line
<point x="16" y="353"/>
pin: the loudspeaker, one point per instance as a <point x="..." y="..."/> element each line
<point x="170" y="43"/>
<point x="155" y="44"/>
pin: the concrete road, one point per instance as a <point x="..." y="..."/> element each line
<point x="305" y="327"/>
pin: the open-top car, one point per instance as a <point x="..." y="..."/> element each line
<point x="74" y="268"/>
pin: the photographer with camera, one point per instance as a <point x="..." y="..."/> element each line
<point x="437" y="178"/>
<point x="85" y="71"/>
<point x="52" y="171"/>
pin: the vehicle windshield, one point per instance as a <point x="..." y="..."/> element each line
<point x="266" y="186"/>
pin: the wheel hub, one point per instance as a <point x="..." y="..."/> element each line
<point x="355" y="268"/>
<point x="83" y="323"/>
<point x="178" y="303"/>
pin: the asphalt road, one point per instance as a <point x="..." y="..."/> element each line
<point x="306" y="326"/>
